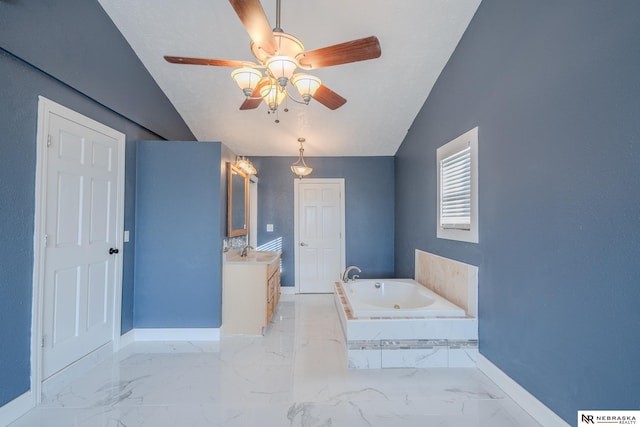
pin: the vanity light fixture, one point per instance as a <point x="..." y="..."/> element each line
<point x="246" y="165"/>
<point x="300" y="168"/>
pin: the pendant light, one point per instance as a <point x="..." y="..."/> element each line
<point x="300" y="168"/>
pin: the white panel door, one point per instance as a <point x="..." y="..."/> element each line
<point x="320" y="241"/>
<point x="81" y="229"/>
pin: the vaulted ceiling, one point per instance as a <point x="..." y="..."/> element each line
<point x="417" y="37"/>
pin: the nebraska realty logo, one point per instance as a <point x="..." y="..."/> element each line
<point x="608" y="417"/>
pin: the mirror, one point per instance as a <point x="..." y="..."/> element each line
<point x="237" y="201"/>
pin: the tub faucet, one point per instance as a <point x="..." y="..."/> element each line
<point x="345" y="275"/>
<point x="245" y="250"/>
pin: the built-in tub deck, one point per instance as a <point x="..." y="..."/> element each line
<point x="406" y="342"/>
<point x="396" y="298"/>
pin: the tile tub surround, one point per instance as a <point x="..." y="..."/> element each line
<point x="296" y="375"/>
<point x="453" y="280"/>
<point x="408" y="342"/>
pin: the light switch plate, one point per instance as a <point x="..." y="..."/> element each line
<point x="270" y="227"/>
<point x="126" y="236"/>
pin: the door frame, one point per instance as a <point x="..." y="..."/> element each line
<point x="46" y="107"/>
<point x="296" y="223"/>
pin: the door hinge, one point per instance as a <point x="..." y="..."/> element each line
<point x="49" y="140"/>
<point x="42" y="341"/>
<point x="46" y="240"/>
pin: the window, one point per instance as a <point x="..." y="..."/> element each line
<point x="458" y="188"/>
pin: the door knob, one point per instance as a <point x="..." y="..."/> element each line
<point x="113" y="251"/>
<point x="303" y="244"/>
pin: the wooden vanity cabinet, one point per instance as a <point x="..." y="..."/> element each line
<point x="250" y="295"/>
<point x="273" y="288"/>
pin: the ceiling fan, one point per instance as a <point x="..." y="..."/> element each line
<point x="280" y="55"/>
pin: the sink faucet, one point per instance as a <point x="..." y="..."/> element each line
<point x="345" y="275"/>
<point x="245" y="250"/>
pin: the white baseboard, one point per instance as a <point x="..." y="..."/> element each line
<point x="170" y="334"/>
<point x="288" y="290"/>
<point x="541" y="413"/>
<point x="176" y="334"/>
<point x="16" y="408"/>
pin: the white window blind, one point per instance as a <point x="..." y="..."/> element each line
<point x="455" y="190"/>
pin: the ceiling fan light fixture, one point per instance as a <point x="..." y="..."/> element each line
<point x="300" y="168"/>
<point x="281" y="68"/>
<point x="281" y="54"/>
<point x="246" y="78"/>
<point x="306" y="84"/>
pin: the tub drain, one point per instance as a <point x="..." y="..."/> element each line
<point x="396" y="306"/>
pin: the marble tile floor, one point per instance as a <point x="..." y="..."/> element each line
<point x="296" y="375"/>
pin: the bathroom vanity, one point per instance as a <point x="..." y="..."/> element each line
<point x="250" y="292"/>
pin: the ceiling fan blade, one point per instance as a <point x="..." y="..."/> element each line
<point x="204" y="61"/>
<point x="255" y="22"/>
<point x="328" y="98"/>
<point x="343" y="53"/>
<point x="251" y="103"/>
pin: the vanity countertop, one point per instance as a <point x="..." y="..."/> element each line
<point x="253" y="257"/>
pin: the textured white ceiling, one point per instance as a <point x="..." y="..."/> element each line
<point x="417" y="37"/>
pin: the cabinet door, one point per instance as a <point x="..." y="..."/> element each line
<point x="276" y="292"/>
<point x="273" y="289"/>
<point x="269" y="299"/>
<point x="272" y="297"/>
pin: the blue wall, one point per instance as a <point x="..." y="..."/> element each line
<point x="76" y="42"/>
<point x="369" y="205"/>
<point x="129" y="253"/>
<point x="178" y="274"/>
<point x="74" y="62"/>
<point x="554" y="89"/>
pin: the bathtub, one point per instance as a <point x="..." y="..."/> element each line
<point x="396" y="298"/>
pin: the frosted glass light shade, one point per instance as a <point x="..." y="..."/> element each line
<point x="301" y="170"/>
<point x="273" y="95"/>
<point x="246" y="78"/>
<point x="246" y="165"/>
<point x="281" y="67"/>
<point x="306" y="84"/>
